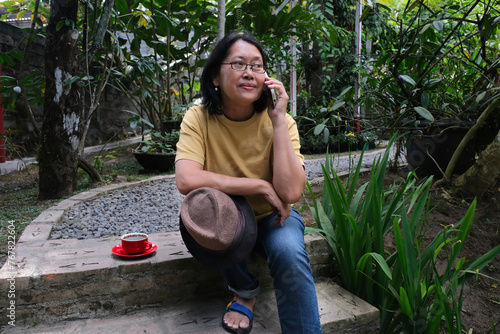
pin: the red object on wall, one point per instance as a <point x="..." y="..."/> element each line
<point x="2" y="131"/>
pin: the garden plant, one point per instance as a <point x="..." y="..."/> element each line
<point x="403" y="281"/>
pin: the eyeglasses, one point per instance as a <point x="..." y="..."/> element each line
<point x="241" y="66"/>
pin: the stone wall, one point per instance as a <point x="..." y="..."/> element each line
<point x="110" y="122"/>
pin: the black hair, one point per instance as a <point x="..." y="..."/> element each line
<point x="212" y="99"/>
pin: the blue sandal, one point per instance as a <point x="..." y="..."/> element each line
<point x="237" y="307"/>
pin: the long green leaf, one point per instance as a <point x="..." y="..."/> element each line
<point x="405" y="303"/>
<point x="462" y="235"/>
<point x="410" y="253"/>
<point x="424" y="113"/>
<point x="366" y="11"/>
<point x="478" y="264"/>
<point x="379" y="259"/>
<point x="408" y="79"/>
<point x="354" y="178"/>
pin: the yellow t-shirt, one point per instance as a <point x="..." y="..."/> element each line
<point x="239" y="149"/>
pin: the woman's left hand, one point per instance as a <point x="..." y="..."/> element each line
<point x="280" y="208"/>
<point x="282" y="102"/>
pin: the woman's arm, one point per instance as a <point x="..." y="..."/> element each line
<point x="190" y="175"/>
<point x="289" y="178"/>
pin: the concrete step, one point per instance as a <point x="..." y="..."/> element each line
<point x="61" y="280"/>
<point x="340" y="312"/>
<point x="67" y="283"/>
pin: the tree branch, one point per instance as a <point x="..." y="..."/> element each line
<point x="465" y="140"/>
<point x="101" y="29"/>
<point x="89" y="169"/>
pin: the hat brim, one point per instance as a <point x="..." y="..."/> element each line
<point x="223" y="260"/>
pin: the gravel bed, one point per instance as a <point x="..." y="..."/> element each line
<point x="153" y="207"/>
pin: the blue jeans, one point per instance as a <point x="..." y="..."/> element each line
<point x="288" y="261"/>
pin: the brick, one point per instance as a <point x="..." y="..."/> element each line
<point x="170" y="252"/>
<point x="35" y="232"/>
<point x="59" y="244"/>
<point x="130" y="323"/>
<point x="86" y="195"/>
<point x="101" y="288"/>
<point x="138" y="299"/>
<point x="75" y="278"/>
<point x="6" y="272"/>
<point x="37" y="296"/>
<point x="54" y="276"/>
<point x="110" y="187"/>
<point x="141" y="265"/>
<point x="67" y="259"/>
<point x="58" y="310"/>
<point x="26" y="272"/>
<point x="318" y="249"/>
<point x="159" y="178"/>
<point x="344" y="308"/>
<point x="119" y="286"/>
<point x="66" y="204"/>
<point x="49" y="216"/>
<point x="22" y="283"/>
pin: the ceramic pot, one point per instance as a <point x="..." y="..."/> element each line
<point x="436" y="147"/>
<point x="162" y="162"/>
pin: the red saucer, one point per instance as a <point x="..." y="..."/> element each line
<point x="118" y="250"/>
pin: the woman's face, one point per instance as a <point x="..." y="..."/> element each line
<point x="240" y="87"/>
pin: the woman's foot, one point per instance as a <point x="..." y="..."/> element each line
<point x="237" y="320"/>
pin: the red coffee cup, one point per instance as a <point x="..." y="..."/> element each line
<point x="135" y="243"/>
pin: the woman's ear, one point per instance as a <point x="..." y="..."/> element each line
<point x="215" y="81"/>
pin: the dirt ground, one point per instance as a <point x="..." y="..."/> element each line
<point x="482" y="305"/>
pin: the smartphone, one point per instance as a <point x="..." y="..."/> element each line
<point x="272" y="94"/>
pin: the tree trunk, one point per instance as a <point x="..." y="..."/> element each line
<point x="483" y="174"/>
<point x="492" y="107"/>
<point x="221" y="19"/>
<point x="62" y="110"/>
<point x="315" y="73"/>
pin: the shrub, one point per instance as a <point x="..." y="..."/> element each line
<point x="404" y="283"/>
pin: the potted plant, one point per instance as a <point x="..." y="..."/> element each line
<point x="145" y="82"/>
<point x="158" y="67"/>
<point x="156" y="151"/>
<point x="436" y="81"/>
<point x="368" y="140"/>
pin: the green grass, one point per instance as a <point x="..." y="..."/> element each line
<point x="19" y="207"/>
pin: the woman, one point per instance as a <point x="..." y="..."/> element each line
<point x="235" y="143"/>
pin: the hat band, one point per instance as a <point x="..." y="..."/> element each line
<point x="238" y="235"/>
